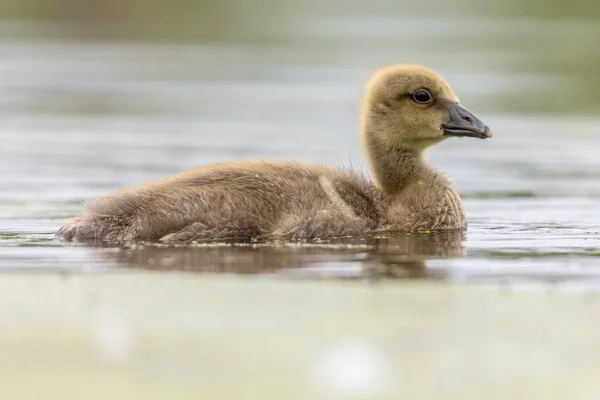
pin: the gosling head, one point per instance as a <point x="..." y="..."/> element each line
<point x="413" y="107"/>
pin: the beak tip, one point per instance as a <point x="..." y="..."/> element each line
<point x="463" y="123"/>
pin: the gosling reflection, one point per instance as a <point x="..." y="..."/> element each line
<point x="379" y="257"/>
<point x="405" y="257"/>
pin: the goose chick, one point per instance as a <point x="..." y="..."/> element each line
<point x="406" y="109"/>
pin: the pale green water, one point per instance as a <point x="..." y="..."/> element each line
<point x="157" y="336"/>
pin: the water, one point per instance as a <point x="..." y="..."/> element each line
<point x="377" y="317"/>
<point x="117" y="115"/>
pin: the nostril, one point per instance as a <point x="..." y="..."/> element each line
<point x="468" y="119"/>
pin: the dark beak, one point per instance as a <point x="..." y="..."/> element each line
<point x="463" y="123"/>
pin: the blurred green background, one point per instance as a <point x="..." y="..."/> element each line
<point x="538" y="56"/>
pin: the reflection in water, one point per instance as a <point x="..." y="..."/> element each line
<point x="399" y="256"/>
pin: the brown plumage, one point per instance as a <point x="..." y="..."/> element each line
<point x="406" y="109"/>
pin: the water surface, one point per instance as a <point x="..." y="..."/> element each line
<point x="73" y="129"/>
<point x="83" y="119"/>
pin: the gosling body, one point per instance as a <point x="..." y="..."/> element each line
<point x="406" y="109"/>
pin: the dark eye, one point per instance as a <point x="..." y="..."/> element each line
<point x="422" y="96"/>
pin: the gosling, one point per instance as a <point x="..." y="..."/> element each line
<point x="406" y="109"/>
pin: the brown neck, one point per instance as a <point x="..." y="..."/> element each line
<point x="394" y="167"/>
